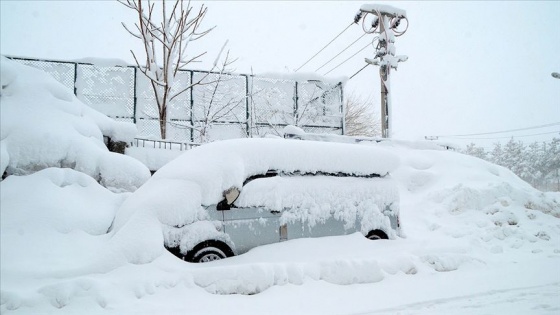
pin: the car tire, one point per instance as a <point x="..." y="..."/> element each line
<point x="208" y="251"/>
<point x="377" y="235"/>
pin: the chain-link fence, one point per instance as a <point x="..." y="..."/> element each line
<point x="221" y="106"/>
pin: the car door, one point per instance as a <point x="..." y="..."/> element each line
<point x="328" y="227"/>
<point x="249" y="227"/>
<point x="325" y="208"/>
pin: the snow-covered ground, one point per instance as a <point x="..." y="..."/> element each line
<point x="478" y="240"/>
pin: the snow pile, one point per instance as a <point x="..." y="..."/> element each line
<point x="60" y="231"/>
<point x="43" y="125"/>
<point x="463" y="197"/>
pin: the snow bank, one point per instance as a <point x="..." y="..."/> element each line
<point x="60" y="228"/>
<point x="463" y="197"/>
<point x="43" y="125"/>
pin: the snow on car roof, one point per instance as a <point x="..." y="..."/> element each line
<point x="176" y="193"/>
<point x="218" y="166"/>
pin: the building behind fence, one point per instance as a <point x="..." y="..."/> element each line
<point x="224" y="106"/>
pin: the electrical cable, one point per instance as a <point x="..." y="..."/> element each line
<point x="367" y="64"/>
<point x="324" y="47"/>
<point x="316" y="70"/>
<point x="506" y="137"/>
<point x="504" y="131"/>
<point x="359" y="51"/>
<point x="340" y="64"/>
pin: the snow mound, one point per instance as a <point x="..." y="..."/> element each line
<point x="301" y="260"/>
<point x="463" y="197"/>
<point x="61" y="228"/>
<point x="44" y="125"/>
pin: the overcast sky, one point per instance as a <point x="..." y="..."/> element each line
<point x="474" y="67"/>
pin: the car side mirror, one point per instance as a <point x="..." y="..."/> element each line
<point x="230" y="196"/>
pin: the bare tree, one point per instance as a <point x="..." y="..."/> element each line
<point x="360" y="118"/>
<point x="315" y="104"/>
<point x="218" y="102"/>
<point x="171" y="37"/>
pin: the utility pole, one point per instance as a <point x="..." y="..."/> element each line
<point x="385" y="21"/>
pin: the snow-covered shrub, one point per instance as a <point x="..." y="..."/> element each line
<point x="44" y="125"/>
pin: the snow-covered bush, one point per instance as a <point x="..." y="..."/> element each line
<point x="44" y="125"/>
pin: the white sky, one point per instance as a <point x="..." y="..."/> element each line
<point x="473" y="67"/>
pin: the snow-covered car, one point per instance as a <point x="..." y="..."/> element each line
<point x="226" y="197"/>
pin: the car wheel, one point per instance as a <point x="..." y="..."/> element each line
<point x="208" y="251"/>
<point x="208" y="254"/>
<point x="377" y="235"/>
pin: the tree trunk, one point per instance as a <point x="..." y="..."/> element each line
<point x="163" y="123"/>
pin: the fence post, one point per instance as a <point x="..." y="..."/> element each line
<point x="192" y="105"/>
<point x="342" y="108"/>
<point x="296" y="99"/>
<point x="248" y="125"/>
<point x="135" y="95"/>
<point x="75" y="78"/>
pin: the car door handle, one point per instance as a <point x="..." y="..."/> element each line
<point x="274" y="211"/>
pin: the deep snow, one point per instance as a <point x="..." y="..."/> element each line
<point x="43" y="125"/>
<point x="478" y="240"/>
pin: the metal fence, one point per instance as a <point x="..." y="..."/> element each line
<point x="224" y="106"/>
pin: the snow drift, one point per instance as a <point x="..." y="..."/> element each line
<point x="44" y="125"/>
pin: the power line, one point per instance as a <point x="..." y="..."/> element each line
<point x="504" y="131"/>
<point x="506" y="137"/>
<point x="340" y="64"/>
<point x="341" y="52"/>
<point x="324" y="47"/>
<point x="367" y="64"/>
